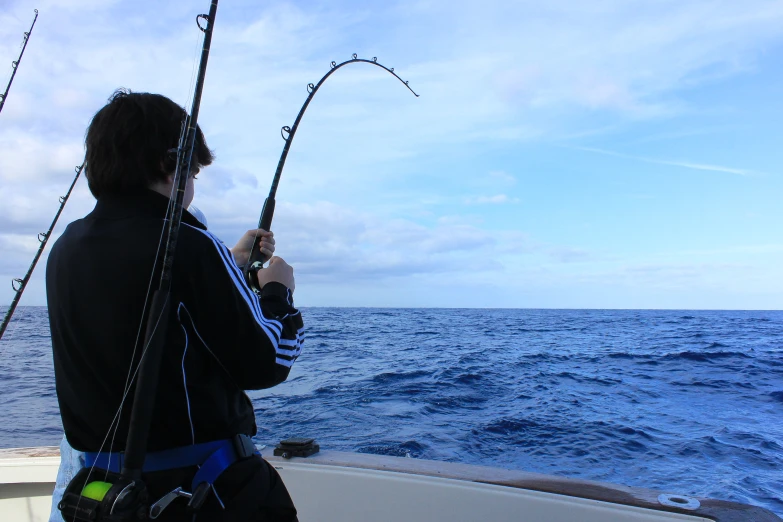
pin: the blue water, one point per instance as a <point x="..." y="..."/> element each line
<point x="689" y="402"/>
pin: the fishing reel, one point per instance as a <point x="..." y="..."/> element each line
<point x="115" y="498"/>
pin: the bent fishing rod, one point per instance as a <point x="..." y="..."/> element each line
<point x="124" y="496"/>
<point x="256" y="260"/>
<point x="15" y="64"/>
<point x="43" y="237"/>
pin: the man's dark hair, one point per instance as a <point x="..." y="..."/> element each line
<point x="129" y="142"/>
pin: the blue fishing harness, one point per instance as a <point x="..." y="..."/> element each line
<point x="213" y="458"/>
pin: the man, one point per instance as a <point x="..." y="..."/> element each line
<point x="71" y="461"/>
<point x="221" y="339"/>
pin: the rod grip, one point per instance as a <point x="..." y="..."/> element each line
<point x="256" y="260"/>
<point x="267" y="214"/>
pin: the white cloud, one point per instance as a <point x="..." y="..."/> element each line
<point x="497" y="199"/>
<point x="570" y="254"/>
<point x="684" y="164"/>
<point x="492" y="75"/>
<point x="502" y="177"/>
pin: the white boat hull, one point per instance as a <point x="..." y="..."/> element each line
<point x="347" y="487"/>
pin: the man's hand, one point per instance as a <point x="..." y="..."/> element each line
<point x="241" y="250"/>
<point x="278" y="271"/>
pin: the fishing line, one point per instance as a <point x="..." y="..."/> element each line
<point x="191" y="83"/>
<point x="8" y="335"/>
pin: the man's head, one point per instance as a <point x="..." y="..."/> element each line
<point x="129" y="143"/>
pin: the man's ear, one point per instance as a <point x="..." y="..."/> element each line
<point x="169" y="163"/>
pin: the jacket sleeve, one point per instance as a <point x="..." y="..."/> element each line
<point x="255" y="338"/>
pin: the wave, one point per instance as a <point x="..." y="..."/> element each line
<point x="629" y="431"/>
<point x="469" y="379"/>
<point x="705" y="356"/>
<point x="511" y="426"/>
<point x="622" y="355"/>
<point x="410" y="448"/>
<point x="392" y="377"/>
<point x="588" y="378"/>
<point x="455" y="404"/>
<point x="718" y="384"/>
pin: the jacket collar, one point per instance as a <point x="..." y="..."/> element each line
<point x="138" y="203"/>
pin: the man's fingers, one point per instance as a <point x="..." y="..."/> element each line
<point x="258" y="232"/>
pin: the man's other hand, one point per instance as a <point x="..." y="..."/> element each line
<point x="278" y="271"/>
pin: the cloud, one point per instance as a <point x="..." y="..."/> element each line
<point x="325" y="241"/>
<point x="683" y="164"/>
<point x="492" y="75"/>
<point x="569" y="254"/>
<point x="498" y="199"/>
<point x="464" y="60"/>
<point x="502" y="177"/>
<point x="27" y="159"/>
<point x="617" y="55"/>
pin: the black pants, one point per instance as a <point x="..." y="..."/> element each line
<point x="251" y="491"/>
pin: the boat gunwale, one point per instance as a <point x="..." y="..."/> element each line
<point x="717" y="510"/>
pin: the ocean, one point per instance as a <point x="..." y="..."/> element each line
<point x="688" y="402"/>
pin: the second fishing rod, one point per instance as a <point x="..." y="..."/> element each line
<point x="257" y="259"/>
<point x="15" y="64"/>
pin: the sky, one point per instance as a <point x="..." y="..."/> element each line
<point x="562" y="154"/>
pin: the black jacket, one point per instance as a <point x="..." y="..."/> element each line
<point x="222" y="339"/>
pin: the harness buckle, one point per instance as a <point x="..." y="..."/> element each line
<point x="243" y="445"/>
